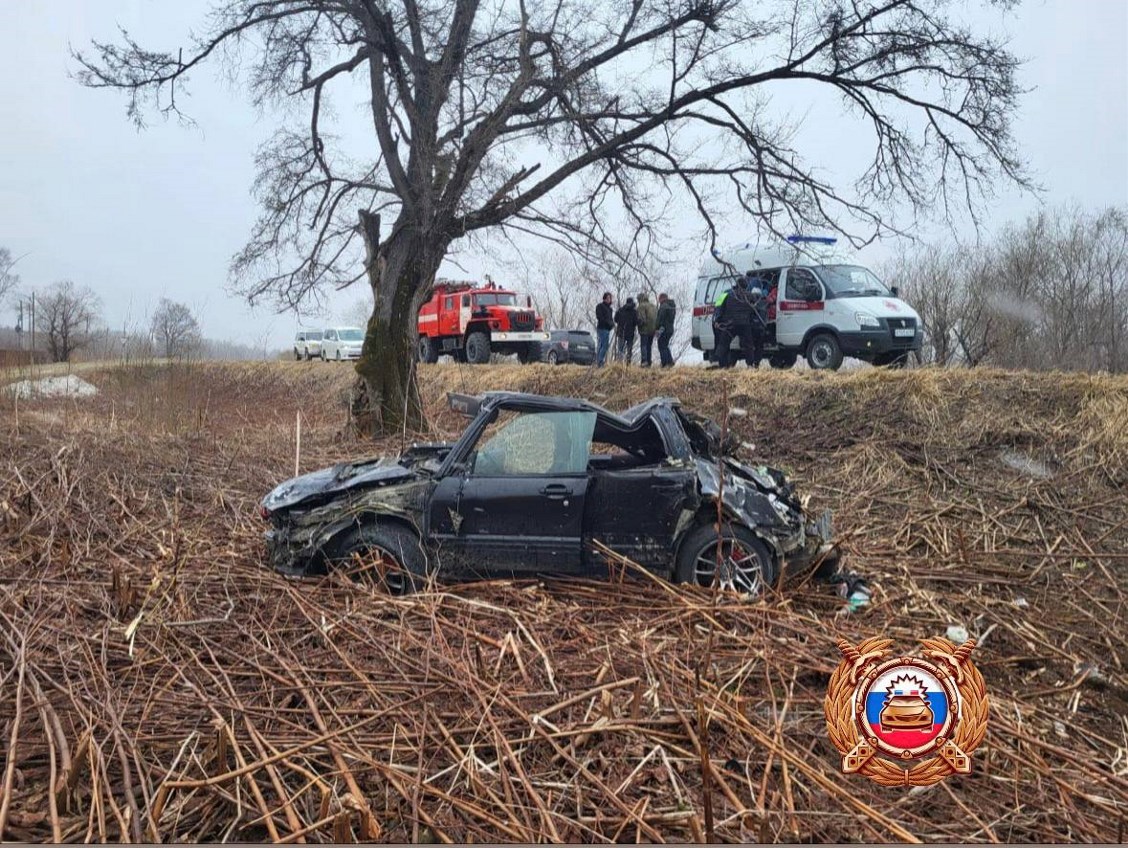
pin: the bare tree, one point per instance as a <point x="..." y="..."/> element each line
<point x="8" y="278"/>
<point x="66" y="315"/>
<point x="1049" y="293"/>
<point x="175" y="329"/>
<point x="572" y="120"/>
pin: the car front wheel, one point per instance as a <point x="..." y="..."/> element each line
<point x="734" y="559"/>
<point x="553" y="357"/>
<point x="386" y="555"/>
<point x="823" y="353"/>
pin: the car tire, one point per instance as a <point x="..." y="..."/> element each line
<point x="428" y="352"/>
<point x="748" y="565"/>
<point x="553" y="358"/>
<point x="824" y="353"/>
<point x="783" y="361"/>
<point x="478" y="348"/>
<point x="524" y="355"/>
<point x="403" y="569"/>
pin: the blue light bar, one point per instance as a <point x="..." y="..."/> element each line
<point x="815" y="239"/>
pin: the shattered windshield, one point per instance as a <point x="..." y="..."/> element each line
<point x="851" y="281"/>
<point x="528" y="443"/>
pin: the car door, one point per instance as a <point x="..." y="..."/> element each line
<point x="635" y="511"/>
<point x="800" y="306"/>
<point x="517" y="501"/>
<point x="329" y="344"/>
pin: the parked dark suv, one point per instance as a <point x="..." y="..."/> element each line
<point x="530" y="487"/>
<point x="576" y="346"/>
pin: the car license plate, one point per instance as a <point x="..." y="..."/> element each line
<point x="907" y="331"/>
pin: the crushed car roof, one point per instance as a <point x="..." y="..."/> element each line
<point x="469" y="404"/>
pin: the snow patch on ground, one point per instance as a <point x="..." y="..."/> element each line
<point x="50" y="387"/>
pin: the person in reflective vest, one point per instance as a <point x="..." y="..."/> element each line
<point x="741" y="312"/>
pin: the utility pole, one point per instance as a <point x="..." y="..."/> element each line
<point x="32" y="316"/>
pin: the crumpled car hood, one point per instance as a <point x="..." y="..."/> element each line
<point x="339" y="478"/>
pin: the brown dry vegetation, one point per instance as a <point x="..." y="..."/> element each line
<point x="157" y="681"/>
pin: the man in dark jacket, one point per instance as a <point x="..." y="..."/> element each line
<point x="626" y="323"/>
<point x="742" y="313"/>
<point x="667" y="310"/>
<point x="604" y="324"/>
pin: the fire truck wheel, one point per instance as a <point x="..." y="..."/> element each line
<point x="478" y="348"/>
<point x="427" y="351"/>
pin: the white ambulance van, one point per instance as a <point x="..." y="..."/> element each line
<point x="826" y="306"/>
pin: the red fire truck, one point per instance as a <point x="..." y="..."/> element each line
<point x="469" y="322"/>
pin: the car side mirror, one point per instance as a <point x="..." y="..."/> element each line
<point x="896" y="292"/>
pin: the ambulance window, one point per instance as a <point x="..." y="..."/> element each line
<point x="715" y="287"/>
<point x="802" y="285"/>
<point x="465" y="300"/>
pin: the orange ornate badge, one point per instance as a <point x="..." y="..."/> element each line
<point x="927" y="713"/>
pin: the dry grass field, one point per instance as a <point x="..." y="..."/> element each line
<point x="158" y="682"/>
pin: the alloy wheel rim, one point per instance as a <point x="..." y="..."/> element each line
<point x="740" y="568"/>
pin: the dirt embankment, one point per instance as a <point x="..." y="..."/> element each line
<point x="158" y="681"/>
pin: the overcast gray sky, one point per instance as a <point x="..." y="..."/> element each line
<point x="141" y="215"/>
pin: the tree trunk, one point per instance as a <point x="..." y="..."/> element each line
<point x="400" y="271"/>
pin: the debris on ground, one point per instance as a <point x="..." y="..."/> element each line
<point x="51" y="387"/>
<point x="956" y="634"/>
<point x="1027" y="465"/>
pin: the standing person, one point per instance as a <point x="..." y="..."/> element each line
<point x="647" y="326"/>
<point x="667" y="310"/>
<point x="604" y="324"/>
<point x="759" y="325"/>
<point x="626" y="322"/>
<point x="741" y="313"/>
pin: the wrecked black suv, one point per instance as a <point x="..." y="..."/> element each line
<point x="533" y="483"/>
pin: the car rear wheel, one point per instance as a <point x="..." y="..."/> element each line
<point x="553" y="358"/>
<point x="823" y="353"/>
<point x="745" y="563"/>
<point x="383" y="554"/>
<point x="478" y="348"/>
<point x="428" y="352"/>
<point x="783" y="360"/>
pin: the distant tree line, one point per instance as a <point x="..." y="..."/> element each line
<point x="64" y="322"/>
<point x="1049" y="293"/>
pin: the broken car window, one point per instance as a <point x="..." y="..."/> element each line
<point x="614" y="448"/>
<point x="531" y="443"/>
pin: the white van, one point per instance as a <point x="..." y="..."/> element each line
<point x="826" y="306"/>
